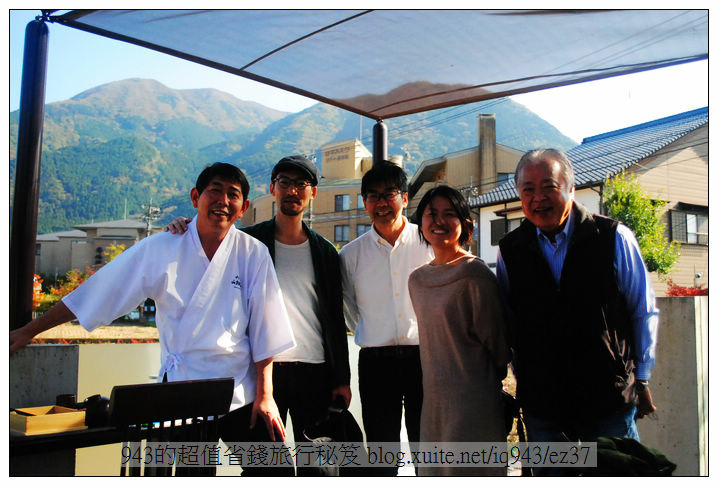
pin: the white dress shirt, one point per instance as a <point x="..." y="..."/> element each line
<point x="375" y="280"/>
<point x="215" y="318"/>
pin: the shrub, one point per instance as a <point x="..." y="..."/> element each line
<point x="675" y="290"/>
<point x="627" y="203"/>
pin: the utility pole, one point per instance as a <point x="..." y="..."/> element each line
<point x="151" y="213"/>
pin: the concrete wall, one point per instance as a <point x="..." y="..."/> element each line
<point x="56" y="256"/>
<point x="38" y="373"/>
<point x="679" y="386"/>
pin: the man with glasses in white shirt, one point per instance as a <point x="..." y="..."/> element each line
<point x="377" y="307"/>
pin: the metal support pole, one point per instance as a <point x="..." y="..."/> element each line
<point x="380" y="141"/>
<point x="27" y="175"/>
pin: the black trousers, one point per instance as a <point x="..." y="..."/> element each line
<point x="234" y="427"/>
<point x="303" y="391"/>
<point x="389" y="378"/>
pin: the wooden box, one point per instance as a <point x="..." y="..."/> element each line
<point x="47" y="420"/>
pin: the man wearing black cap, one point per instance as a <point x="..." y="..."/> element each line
<point x="307" y="265"/>
<point x="307" y="379"/>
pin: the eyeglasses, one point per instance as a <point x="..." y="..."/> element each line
<point x="388" y="196"/>
<point x="286" y="183"/>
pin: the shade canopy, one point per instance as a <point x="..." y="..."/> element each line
<point x="387" y="63"/>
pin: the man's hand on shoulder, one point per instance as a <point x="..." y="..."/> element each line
<point x="178" y="226"/>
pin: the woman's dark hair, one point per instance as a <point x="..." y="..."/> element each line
<point x="458" y="203"/>
<point x="227" y="173"/>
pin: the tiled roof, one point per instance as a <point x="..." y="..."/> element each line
<point x="61" y="234"/>
<point x="606" y="155"/>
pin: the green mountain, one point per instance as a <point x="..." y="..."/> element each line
<point x="125" y="142"/>
<point x="121" y="144"/>
<point x="420" y="136"/>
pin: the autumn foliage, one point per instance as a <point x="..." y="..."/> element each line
<point x="42" y="301"/>
<point x="36" y="291"/>
<point x="675" y="290"/>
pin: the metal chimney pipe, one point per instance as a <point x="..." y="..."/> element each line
<point x="380" y="143"/>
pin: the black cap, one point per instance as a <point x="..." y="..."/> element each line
<point x="297" y="162"/>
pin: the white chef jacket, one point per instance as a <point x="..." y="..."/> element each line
<point x="375" y="282"/>
<point x="215" y="318"/>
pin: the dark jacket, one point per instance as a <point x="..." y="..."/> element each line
<point x="328" y="286"/>
<point x="573" y="342"/>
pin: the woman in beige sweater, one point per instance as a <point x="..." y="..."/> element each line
<point x="462" y="333"/>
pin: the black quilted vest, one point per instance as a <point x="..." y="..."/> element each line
<point x="573" y="342"/>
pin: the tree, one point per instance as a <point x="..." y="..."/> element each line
<point x="112" y="251"/>
<point x="62" y="287"/>
<point x="627" y="202"/>
<point x="36" y="291"/>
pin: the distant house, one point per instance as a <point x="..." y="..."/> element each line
<point x="338" y="214"/>
<point x="473" y="171"/>
<point x="669" y="156"/>
<point x="57" y="253"/>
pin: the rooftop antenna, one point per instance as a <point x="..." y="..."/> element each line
<point x="151" y="213"/>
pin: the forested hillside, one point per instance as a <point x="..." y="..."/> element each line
<point x="118" y="145"/>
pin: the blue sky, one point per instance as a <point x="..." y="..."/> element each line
<point x="79" y="61"/>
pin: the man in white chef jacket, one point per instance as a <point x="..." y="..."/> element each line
<point x="219" y="309"/>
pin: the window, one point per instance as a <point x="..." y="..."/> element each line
<point x="342" y="202"/>
<point x="504" y="177"/>
<point x="98" y="255"/>
<point x="690" y="225"/>
<point x="501" y="226"/>
<point x="362" y="228"/>
<point x="37" y="249"/>
<point x="360" y="202"/>
<point x="341" y="233"/>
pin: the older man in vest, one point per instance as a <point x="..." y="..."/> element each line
<point x="584" y="310"/>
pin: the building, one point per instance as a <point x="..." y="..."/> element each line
<point x="57" y="253"/>
<point x="668" y="156"/>
<point x="337" y="213"/>
<point x="473" y="171"/>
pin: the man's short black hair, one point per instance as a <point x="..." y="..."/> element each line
<point x="227" y="173"/>
<point x="387" y="173"/>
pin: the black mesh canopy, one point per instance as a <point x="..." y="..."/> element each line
<point x="387" y="63"/>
